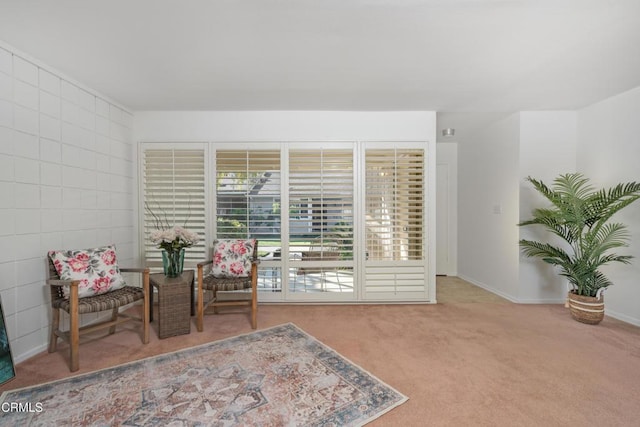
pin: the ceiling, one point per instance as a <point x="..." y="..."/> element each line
<point x="442" y="55"/>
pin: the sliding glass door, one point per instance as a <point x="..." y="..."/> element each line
<point x="321" y="193"/>
<point x="247" y="203"/>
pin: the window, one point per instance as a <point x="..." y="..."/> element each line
<point x="174" y="194"/>
<point x="394" y="204"/>
<point x="248" y="205"/>
<point x="395" y="222"/>
<point x="321" y="193"/>
<point x="336" y="221"/>
<point x="248" y="195"/>
<point x="321" y="220"/>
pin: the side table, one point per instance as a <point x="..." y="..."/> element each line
<point x="175" y="303"/>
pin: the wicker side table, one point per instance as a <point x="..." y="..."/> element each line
<point x="175" y="295"/>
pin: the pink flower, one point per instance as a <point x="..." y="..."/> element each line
<point x="239" y="248"/>
<point x="78" y="265"/>
<point x="109" y="257"/>
<point x="83" y="256"/>
<point x="58" y="265"/>
<point x="236" y="268"/>
<point x="217" y="258"/>
<point x="101" y="284"/>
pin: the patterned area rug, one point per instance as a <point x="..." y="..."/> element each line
<point x="275" y="377"/>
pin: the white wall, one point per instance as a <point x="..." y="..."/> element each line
<point x="609" y="153"/>
<point x="547" y="149"/>
<point x="66" y="181"/>
<point x="284" y="126"/>
<point x="488" y="177"/>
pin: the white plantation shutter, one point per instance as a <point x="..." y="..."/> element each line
<point x="395" y="223"/>
<point x="394" y="204"/>
<point x="321" y="197"/>
<point x="248" y="206"/>
<point x="355" y="218"/>
<point x="248" y="194"/>
<point x="174" y="194"/>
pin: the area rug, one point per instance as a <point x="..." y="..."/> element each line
<point x="274" y="377"/>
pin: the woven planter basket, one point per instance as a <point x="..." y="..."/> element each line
<point x="586" y="309"/>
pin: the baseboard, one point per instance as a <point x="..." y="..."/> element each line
<point x="488" y="288"/>
<point x="32" y="352"/>
<point x="621" y="317"/>
<point x="542" y="301"/>
<point x="511" y="297"/>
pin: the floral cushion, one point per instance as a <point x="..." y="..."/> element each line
<point x="232" y="258"/>
<point x="96" y="269"/>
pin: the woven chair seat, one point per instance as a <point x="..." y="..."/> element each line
<point x="108" y="301"/>
<point x="212" y="283"/>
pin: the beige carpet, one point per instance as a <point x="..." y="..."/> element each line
<point x="460" y="363"/>
<point x="455" y="290"/>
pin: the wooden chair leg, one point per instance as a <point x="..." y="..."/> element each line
<point x="74" y="329"/>
<point x="114" y="317"/>
<point x="55" y="325"/>
<point x="254" y="305"/>
<point x="145" y="306"/>
<point x="214" y="300"/>
<point x="254" y="314"/>
<point x="200" y="304"/>
<point x="254" y="295"/>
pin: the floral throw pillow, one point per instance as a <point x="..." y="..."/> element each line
<point x="96" y="269"/>
<point x="232" y="258"/>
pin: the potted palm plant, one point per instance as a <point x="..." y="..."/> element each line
<point x="580" y="216"/>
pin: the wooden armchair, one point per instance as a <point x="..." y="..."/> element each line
<point x="234" y="267"/>
<point x="72" y="295"/>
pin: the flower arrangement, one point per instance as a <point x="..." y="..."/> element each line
<point x="174" y="239"/>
